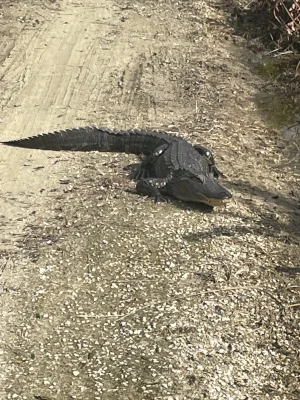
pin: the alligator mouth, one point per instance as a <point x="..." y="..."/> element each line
<point x="215" y="202"/>
<point x="210" y="201"/>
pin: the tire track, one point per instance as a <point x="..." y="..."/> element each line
<point x="39" y="89"/>
<point x="62" y="73"/>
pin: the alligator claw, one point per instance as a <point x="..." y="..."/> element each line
<point x="161" y="199"/>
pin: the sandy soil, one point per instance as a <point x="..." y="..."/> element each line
<point x="105" y="295"/>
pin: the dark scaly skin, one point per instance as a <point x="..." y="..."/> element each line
<point x="210" y="159"/>
<point x="172" y="165"/>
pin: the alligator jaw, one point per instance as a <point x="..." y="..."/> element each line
<point x="215" y="202"/>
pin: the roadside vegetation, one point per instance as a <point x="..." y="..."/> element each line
<point x="273" y="25"/>
<point x="276" y="22"/>
<point x="272" y="28"/>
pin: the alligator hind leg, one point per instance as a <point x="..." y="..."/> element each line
<point x="140" y="171"/>
<point x="146" y="169"/>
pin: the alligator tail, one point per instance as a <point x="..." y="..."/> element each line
<point x="93" y="138"/>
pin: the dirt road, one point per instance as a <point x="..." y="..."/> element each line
<point x="58" y="70"/>
<point x="105" y="295"/>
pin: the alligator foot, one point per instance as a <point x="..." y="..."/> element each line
<point x="150" y="187"/>
<point x="161" y="199"/>
<point x="138" y="172"/>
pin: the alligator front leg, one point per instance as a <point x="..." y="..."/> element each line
<point x="151" y="187"/>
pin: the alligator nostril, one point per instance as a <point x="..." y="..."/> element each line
<point x="226" y="195"/>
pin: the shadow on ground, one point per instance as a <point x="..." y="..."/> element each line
<point x="264" y="203"/>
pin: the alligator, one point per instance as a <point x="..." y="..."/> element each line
<point x="172" y="166"/>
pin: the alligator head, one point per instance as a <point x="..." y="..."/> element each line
<point x="199" y="189"/>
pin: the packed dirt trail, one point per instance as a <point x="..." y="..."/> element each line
<point x="58" y="76"/>
<point x="104" y="294"/>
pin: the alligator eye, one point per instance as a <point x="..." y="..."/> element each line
<point x="200" y="178"/>
<point x="209" y="156"/>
